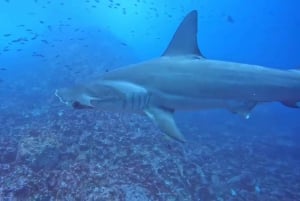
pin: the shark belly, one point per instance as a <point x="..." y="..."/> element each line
<point x="179" y="102"/>
<point x="175" y="102"/>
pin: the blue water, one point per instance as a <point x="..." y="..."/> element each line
<point x="51" y="152"/>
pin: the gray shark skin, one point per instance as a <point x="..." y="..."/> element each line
<point x="182" y="79"/>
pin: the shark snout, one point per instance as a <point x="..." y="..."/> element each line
<point x="74" y="98"/>
<point x="59" y="94"/>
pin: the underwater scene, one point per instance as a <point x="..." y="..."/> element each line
<point x="144" y="100"/>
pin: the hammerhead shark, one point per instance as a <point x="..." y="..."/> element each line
<point x="183" y="79"/>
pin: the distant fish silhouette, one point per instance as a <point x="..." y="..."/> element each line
<point x="49" y="28"/>
<point x="45" y="41"/>
<point x="34" y="37"/>
<point x="230" y="19"/>
<point x="34" y="54"/>
<point x="20" y="40"/>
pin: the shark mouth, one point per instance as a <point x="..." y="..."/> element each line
<point x="78" y="105"/>
<point x="81" y="102"/>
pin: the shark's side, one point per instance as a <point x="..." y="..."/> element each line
<point x="182" y="79"/>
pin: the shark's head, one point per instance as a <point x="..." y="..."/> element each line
<point x="74" y="97"/>
<point x="94" y="96"/>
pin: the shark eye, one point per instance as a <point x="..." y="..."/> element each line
<point x="78" y="105"/>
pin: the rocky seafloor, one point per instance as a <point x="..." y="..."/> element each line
<point x="63" y="154"/>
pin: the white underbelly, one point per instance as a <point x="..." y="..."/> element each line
<point x="189" y="103"/>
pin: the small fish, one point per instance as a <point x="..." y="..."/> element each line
<point x="124" y="11"/>
<point x="42" y="22"/>
<point x="3" y="69"/>
<point x="34" y="37"/>
<point x="45" y="41"/>
<point x="19" y="40"/>
<point x="37" y="55"/>
<point x="124" y="44"/>
<point x="7" y="35"/>
<point x="230" y="19"/>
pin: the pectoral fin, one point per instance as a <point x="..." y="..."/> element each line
<point x="243" y="109"/>
<point x="165" y="121"/>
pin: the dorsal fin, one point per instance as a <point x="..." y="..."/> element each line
<point x="184" y="41"/>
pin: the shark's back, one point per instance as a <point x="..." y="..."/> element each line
<point x="196" y="77"/>
<point x="182" y="70"/>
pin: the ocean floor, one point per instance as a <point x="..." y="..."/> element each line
<point x="56" y="153"/>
